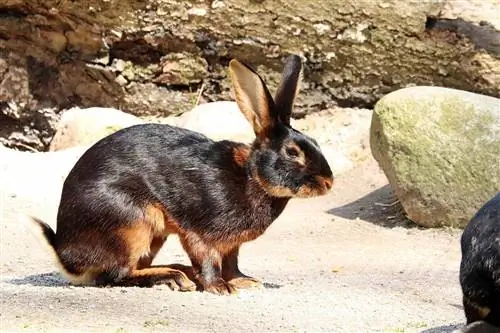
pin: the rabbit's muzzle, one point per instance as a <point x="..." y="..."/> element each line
<point x="320" y="185"/>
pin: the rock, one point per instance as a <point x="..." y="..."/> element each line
<point x="179" y="69"/>
<point x="219" y="121"/>
<point x="72" y="54"/>
<point x="122" y="81"/>
<point x="84" y="127"/>
<point x="440" y="150"/>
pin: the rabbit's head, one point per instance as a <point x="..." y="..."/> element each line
<point x="284" y="161"/>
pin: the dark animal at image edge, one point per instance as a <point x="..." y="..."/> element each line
<point x="480" y="265"/>
<point x="132" y="189"/>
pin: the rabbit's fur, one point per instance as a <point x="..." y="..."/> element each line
<point x="478" y="327"/>
<point x="132" y="189"/>
<point x="480" y="264"/>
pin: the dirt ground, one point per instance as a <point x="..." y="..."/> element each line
<point x="345" y="262"/>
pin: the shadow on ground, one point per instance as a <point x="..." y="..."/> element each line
<point x="41" y="280"/>
<point x="475" y="327"/>
<point x="56" y="280"/>
<point x="443" y="329"/>
<point x="379" y="207"/>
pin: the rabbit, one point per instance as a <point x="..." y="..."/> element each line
<point x="480" y="265"/>
<point x="478" y="327"/>
<point x="133" y="188"/>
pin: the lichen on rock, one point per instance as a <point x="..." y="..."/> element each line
<point x="439" y="148"/>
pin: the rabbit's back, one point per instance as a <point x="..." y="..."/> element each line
<point x="197" y="181"/>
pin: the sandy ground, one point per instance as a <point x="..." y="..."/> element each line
<point x="339" y="263"/>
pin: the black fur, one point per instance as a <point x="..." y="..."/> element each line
<point x="478" y="327"/>
<point x="290" y="79"/>
<point x="480" y="265"/>
<point x="194" y="177"/>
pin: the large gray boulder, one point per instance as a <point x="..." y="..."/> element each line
<point x="440" y="150"/>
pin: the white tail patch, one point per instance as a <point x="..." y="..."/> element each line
<point x="37" y="230"/>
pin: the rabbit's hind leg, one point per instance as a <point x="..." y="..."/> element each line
<point x="143" y="239"/>
<point x="146" y="260"/>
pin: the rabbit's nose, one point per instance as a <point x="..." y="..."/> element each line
<point x="327" y="182"/>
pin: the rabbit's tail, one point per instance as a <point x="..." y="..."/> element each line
<point x="47" y="238"/>
<point x="42" y="231"/>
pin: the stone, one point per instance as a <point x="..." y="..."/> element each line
<point x="219" y="121"/>
<point x="121" y="80"/>
<point x="179" y="69"/>
<point x="84" y="127"/>
<point x="440" y="149"/>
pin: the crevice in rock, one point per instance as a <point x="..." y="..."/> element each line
<point x="41" y="78"/>
<point x="483" y="36"/>
<point x="145" y="50"/>
<point x="353" y="102"/>
<point x="206" y="42"/>
<point x="182" y="87"/>
<point x="12" y="12"/>
<point x="137" y="51"/>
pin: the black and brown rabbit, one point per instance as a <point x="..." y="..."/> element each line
<point x="132" y="189"/>
<point x="480" y="265"/>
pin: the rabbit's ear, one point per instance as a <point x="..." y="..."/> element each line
<point x="288" y="89"/>
<point x="253" y="98"/>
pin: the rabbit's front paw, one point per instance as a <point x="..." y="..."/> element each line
<point x="178" y="281"/>
<point x="244" y="282"/>
<point x="220" y="287"/>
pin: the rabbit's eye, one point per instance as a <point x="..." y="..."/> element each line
<point x="292" y="152"/>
